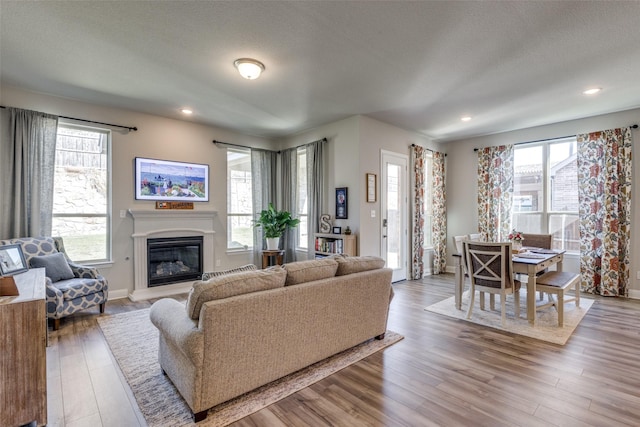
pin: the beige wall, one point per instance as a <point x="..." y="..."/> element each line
<point x="461" y="177"/>
<point x="157" y="137"/>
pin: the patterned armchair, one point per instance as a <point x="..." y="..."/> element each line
<point x="75" y="289"/>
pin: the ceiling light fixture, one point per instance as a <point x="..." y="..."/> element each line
<point x="465" y="118"/>
<point x="592" y="91"/>
<point x="186" y="111"/>
<point x="249" y="68"/>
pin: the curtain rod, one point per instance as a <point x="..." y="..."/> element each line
<point x="133" y="128"/>
<point x="263" y="149"/>
<point x="428" y="149"/>
<point x="551" y="139"/>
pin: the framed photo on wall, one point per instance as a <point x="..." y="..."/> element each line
<point x="165" y="180"/>
<point x="12" y="260"/>
<point x="371" y="188"/>
<point x="341" y="203"/>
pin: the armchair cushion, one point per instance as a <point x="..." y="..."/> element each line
<point x="55" y="265"/>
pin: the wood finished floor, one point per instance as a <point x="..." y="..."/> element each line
<point x="445" y="372"/>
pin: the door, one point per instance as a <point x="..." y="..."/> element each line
<point x="394" y="212"/>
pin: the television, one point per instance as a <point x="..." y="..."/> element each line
<point x="167" y="180"/>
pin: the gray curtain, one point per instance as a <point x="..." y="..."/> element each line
<point x="27" y="159"/>
<point x="289" y="163"/>
<point x="263" y="178"/>
<point x="315" y="190"/>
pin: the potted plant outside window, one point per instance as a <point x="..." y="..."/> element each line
<point x="274" y="223"/>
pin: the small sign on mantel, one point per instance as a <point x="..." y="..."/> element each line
<point x="174" y="205"/>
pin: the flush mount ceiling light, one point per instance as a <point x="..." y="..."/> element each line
<point x="592" y="91"/>
<point x="249" y="68"/>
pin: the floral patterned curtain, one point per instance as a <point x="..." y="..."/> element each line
<point x="604" y="195"/>
<point x="419" y="159"/>
<point x="439" y="223"/>
<point x="495" y="192"/>
<point x="417" y="226"/>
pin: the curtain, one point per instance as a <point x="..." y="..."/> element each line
<point x="315" y="188"/>
<point x="418" y="214"/>
<point x="495" y="192"/>
<point x="439" y="212"/>
<point x="27" y="156"/>
<point x="263" y="178"/>
<point x="604" y="196"/>
<point x="289" y="163"/>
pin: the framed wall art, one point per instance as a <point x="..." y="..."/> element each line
<point x="371" y="188"/>
<point x="341" y="203"/>
<point x="165" y="180"/>
<point x="12" y="260"/>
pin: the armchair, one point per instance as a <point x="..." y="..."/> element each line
<point x="70" y="287"/>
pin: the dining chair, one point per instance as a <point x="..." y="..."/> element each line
<point x="542" y="241"/>
<point x="457" y="244"/>
<point x="491" y="270"/>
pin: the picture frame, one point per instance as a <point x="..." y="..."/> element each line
<point x="166" y="180"/>
<point x="12" y="260"/>
<point x="372" y="181"/>
<point x="341" y="203"/>
<point x="337" y="230"/>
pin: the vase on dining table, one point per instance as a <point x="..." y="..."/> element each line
<point x="516" y="245"/>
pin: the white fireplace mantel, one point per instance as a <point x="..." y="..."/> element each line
<point x="152" y="224"/>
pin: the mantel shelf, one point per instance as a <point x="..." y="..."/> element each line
<point x="169" y="213"/>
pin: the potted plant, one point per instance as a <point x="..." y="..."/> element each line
<point x="274" y="223"/>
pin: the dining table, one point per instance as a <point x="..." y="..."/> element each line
<point x="529" y="261"/>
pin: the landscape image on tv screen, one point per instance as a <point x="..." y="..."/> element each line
<point x="169" y="180"/>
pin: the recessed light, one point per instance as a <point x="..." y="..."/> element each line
<point x="592" y="91"/>
<point x="465" y="118"/>
<point x="186" y="111"/>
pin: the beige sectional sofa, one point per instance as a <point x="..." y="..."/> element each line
<point x="240" y="331"/>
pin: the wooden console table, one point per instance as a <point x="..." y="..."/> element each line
<point x="23" y="359"/>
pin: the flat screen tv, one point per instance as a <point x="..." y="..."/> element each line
<point x="168" y="180"/>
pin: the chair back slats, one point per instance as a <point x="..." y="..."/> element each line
<point x="489" y="264"/>
<point x="542" y="241"/>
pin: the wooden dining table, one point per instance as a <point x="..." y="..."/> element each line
<point x="529" y="263"/>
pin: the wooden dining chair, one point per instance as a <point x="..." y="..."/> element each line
<point x="491" y="270"/>
<point x="542" y="241"/>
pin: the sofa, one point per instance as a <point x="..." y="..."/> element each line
<point x="71" y="287"/>
<point x="244" y="329"/>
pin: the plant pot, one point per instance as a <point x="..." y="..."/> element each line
<point x="273" y="243"/>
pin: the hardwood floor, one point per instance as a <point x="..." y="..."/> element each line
<point x="445" y="372"/>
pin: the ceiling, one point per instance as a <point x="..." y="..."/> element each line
<point x="417" y="65"/>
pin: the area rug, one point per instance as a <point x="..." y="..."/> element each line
<point x="133" y="340"/>
<point x="546" y="328"/>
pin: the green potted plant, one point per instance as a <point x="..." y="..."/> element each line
<point x="274" y="223"/>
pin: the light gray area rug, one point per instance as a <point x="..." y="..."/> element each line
<point x="133" y="340"/>
<point x="546" y="328"/>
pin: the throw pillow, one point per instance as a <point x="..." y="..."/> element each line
<point x="55" y="265"/>
<point x="232" y="285"/>
<point x="210" y="274"/>
<point x="308" y="271"/>
<point x="356" y="264"/>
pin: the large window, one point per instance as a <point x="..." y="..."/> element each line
<point x="303" y="203"/>
<point x="82" y="196"/>
<point x="239" y="200"/>
<point x="545" y="199"/>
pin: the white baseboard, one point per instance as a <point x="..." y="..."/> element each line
<point x="634" y="293"/>
<point x="118" y="294"/>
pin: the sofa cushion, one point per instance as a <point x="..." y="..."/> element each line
<point x="308" y="271"/>
<point x="210" y="274"/>
<point x="356" y="264"/>
<point x="55" y="265"/>
<point x="233" y="284"/>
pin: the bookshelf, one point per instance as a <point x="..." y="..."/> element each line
<point x="331" y="244"/>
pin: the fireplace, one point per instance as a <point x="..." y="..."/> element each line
<point x="173" y="260"/>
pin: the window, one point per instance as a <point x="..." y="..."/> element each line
<point x="545" y="199"/>
<point x="81" y="192"/>
<point x="303" y="203"/>
<point x="428" y="200"/>
<point x="239" y="200"/>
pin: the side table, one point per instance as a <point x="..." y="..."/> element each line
<point x="268" y="255"/>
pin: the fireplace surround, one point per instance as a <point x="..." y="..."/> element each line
<point x="168" y="224"/>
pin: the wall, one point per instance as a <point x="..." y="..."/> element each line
<point x="462" y="217"/>
<point x="157" y="137"/>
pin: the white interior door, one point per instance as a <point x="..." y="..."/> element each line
<point x="394" y="212"/>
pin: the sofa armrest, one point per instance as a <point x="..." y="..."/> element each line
<point x="54" y="299"/>
<point x="171" y="319"/>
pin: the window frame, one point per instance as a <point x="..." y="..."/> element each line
<point x="229" y="215"/>
<point x="109" y="194"/>
<point x="301" y="152"/>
